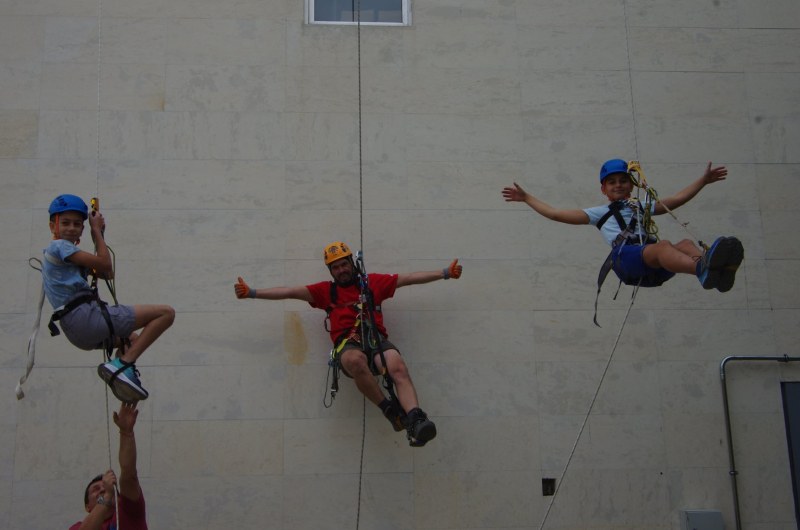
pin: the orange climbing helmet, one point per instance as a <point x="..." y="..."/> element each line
<point x="336" y="250"/>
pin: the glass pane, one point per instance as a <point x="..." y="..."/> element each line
<point x="371" y="11"/>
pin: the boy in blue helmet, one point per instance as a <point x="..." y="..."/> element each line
<point x="88" y="322"/>
<point x="636" y="257"/>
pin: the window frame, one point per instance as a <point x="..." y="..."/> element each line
<point x="405" y="12"/>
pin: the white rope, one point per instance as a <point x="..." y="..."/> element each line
<point x="99" y="82"/>
<point x="630" y="79"/>
<point x="97" y="194"/>
<point x="589" y="412"/>
<point x="361" y="240"/>
<point x="630" y="306"/>
<point x="31" y="345"/>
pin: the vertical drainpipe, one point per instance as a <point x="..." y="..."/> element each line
<point x="732" y="471"/>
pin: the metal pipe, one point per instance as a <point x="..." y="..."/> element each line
<point x="732" y="471"/>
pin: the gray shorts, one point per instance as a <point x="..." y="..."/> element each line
<point x="355" y="345"/>
<point x="86" y="327"/>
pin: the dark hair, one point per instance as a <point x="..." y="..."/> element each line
<point x="89" y="485"/>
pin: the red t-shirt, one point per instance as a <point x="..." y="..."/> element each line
<point x="344" y="313"/>
<point x="131" y="515"/>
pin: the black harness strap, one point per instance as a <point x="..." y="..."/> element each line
<point x="69" y="306"/>
<point x="615" y="210"/>
<point x="370" y="336"/>
<point x="627" y="235"/>
<point x="108" y="343"/>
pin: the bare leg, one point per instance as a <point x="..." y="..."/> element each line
<point x="154" y="320"/>
<point x="404" y="387"/>
<point x="355" y="363"/>
<point x="681" y="257"/>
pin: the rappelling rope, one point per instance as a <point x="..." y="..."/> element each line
<point x="361" y="246"/>
<point x="110" y="284"/>
<point x="591" y="407"/>
<point x="630" y="306"/>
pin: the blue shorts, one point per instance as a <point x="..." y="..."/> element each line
<point x="86" y="327"/>
<point x="629" y="266"/>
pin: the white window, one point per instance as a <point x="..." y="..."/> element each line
<point x="373" y="12"/>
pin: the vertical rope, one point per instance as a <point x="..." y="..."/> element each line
<point x="97" y="168"/>
<point x="630" y="80"/>
<point x="97" y="114"/>
<point x="633" y="297"/>
<point x="361" y="245"/>
<point x="591" y="407"/>
<point x="97" y="194"/>
<point x="360" y="155"/>
<point x="361" y="463"/>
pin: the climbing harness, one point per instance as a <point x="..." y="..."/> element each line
<point x="640" y="230"/>
<point x="370" y="336"/>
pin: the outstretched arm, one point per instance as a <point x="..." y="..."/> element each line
<point x="128" y="475"/>
<point x="300" y="292"/>
<point x="710" y="176"/>
<point x="572" y="217"/>
<point x="414" y="278"/>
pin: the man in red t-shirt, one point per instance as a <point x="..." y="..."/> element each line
<point x="99" y="498"/>
<point x="339" y="299"/>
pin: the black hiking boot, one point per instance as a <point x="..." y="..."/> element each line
<point x="420" y="429"/>
<point x="396" y="417"/>
<point x="727" y="273"/>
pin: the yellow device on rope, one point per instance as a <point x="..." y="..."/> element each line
<point x="640" y="181"/>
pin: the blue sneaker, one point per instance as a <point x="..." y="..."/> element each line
<point x="708" y="276"/>
<point x="727" y="274"/>
<point x="123" y="378"/>
<point x="711" y="267"/>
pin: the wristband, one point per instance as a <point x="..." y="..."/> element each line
<point x="251" y="293"/>
<point x="446" y="273"/>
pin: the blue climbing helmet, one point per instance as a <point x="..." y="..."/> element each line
<point x="615" y="165"/>
<point x="68" y="203"/>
